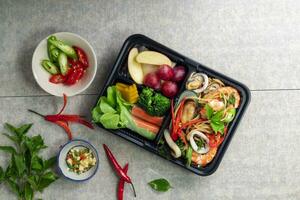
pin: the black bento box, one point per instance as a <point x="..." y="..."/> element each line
<point x="119" y="73"/>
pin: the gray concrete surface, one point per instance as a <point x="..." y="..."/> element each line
<point x="255" y="42"/>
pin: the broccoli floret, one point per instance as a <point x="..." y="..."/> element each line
<point x="153" y="103"/>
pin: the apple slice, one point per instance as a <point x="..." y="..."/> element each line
<point x="135" y="68"/>
<point x="147" y="68"/>
<point x="153" y="58"/>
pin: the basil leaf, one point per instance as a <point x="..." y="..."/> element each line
<point x="22" y="130"/>
<point x="46" y="180"/>
<point x="19" y="163"/>
<point x="218" y="127"/>
<point x="216" y="118"/>
<point x="161" y="185"/>
<point x="209" y="111"/>
<point x="50" y="162"/>
<point x="28" y="192"/>
<point x="33" y="180"/>
<point x="14" y="186"/>
<point x="2" y="175"/>
<point x="36" y="163"/>
<point x="12" y="138"/>
<point x="8" y="149"/>
<point x="35" y="143"/>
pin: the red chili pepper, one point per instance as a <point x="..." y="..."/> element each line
<point x="117" y="167"/>
<point x="74" y="75"/>
<point x="62" y="120"/>
<point x="65" y="126"/>
<point x="192" y="122"/>
<point x="82" y="57"/>
<point x="121" y="184"/>
<point x="69" y="118"/>
<point x="65" y="103"/>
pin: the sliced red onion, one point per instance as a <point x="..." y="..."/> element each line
<point x="176" y="153"/>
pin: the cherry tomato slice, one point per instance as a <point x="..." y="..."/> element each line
<point x="57" y="78"/>
<point x="82" y="57"/>
<point x="74" y="75"/>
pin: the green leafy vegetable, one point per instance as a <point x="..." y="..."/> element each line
<point x="209" y="111"/>
<point x="113" y="112"/>
<point x="27" y="171"/>
<point x="153" y="103"/>
<point x="215" y="119"/>
<point x="188" y="156"/>
<point x="161" y="185"/>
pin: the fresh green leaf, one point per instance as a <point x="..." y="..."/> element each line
<point x="105" y="107"/>
<point x="36" y="163"/>
<point x="209" y="111"/>
<point x="35" y="143"/>
<point x="13" y="186"/>
<point x="8" y="149"/>
<point x="11" y="171"/>
<point x="28" y="192"/>
<point x="96" y="114"/>
<point x="216" y="118"/>
<point x="50" y="162"/>
<point x="46" y="180"/>
<point x="218" y="127"/>
<point x="2" y="174"/>
<point x="22" y="130"/>
<point x="12" y="138"/>
<point x="110" y="121"/>
<point x="161" y="185"/>
<point x="111" y="96"/>
<point x="19" y="163"/>
<point x="33" y="180"/>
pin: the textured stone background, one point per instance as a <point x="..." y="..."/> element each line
<point x="255" y="42"/>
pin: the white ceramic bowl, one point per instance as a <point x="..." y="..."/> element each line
<point x="63" y="167"/>
<point x="42" y="76"/>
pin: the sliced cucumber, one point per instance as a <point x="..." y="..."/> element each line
<point x="50" y="67"/>
<point x="63" y="63"/>
<point x="68" y="50"/>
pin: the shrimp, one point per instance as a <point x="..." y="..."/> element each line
<point x="227" y="91"/>
<point x="204" y="159"/>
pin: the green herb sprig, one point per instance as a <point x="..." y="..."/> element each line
<point x="161" y="185"/>
<point x="27" y="172"/>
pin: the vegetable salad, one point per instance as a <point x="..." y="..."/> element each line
<point x="80" y="159"/>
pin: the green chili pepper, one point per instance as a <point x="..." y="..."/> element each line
<point x="50" y="67"/>
<point x="51" y="47"/>
<point x="54" y="54"/>
<point x="68" y="50"/>
<point x="161" y="185"/>
<point x="230" y="114"/>
<point x="63" y="63"/>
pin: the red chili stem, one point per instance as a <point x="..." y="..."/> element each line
<point x="117" y="167"/>
<point x="65" y="103"/>
<point x="122" y="183"/>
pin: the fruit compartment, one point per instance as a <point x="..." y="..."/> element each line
<point x="120" y="73"/>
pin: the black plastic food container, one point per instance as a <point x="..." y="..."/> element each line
<point x="119" y="73"/>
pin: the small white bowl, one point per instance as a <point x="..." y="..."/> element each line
<point x="63" y="167"/>
<point x="42" y="76"/>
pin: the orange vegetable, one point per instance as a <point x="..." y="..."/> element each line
<point x="140" y="113"/>
<point x="146" y="125"/>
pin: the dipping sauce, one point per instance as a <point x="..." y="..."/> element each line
<point x="80" y="159"/>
